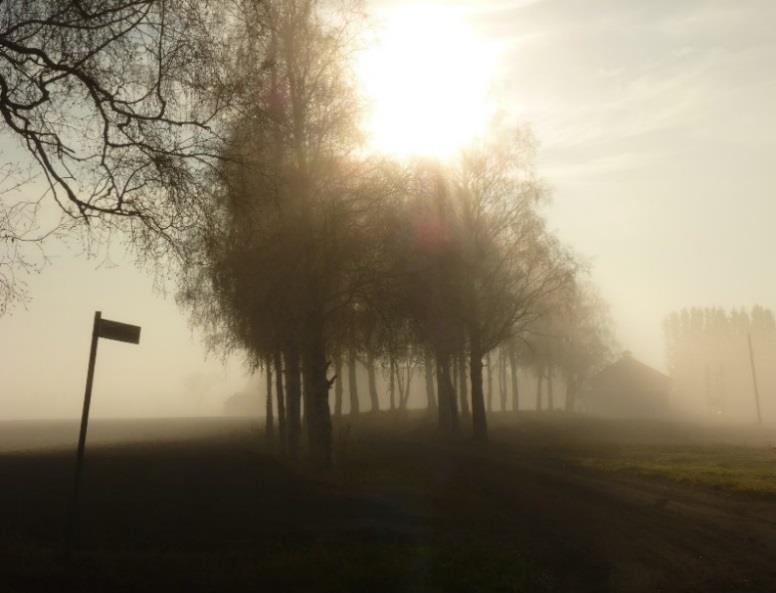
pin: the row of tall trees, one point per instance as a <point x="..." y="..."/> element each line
<point x="286" y="246"/>
<point x="228" y="136"/>
<point x="532" y="371"/>
<point x="313" y="255"/>
<point x="715" y="355"/>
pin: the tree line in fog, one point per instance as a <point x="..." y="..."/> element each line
<point x="718" y="358"/>
<point x="223" y="141"/>
<point x="315" y="258"/>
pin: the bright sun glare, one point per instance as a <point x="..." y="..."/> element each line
<point x="427" y="78"/>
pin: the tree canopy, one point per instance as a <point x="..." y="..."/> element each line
<point x="233" y="134"/>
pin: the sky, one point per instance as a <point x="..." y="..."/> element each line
<point x="657" y="136"/>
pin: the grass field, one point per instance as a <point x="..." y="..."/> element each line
<point x="211" y="511"/>
<point x="731" y="458"/>
<point x="201" y="506"/>
<point x="333" y="566"/>
<point x="735" y="469"/>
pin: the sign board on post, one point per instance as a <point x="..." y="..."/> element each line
<point x="121" y="332"/>
<point x="110" y="330"/>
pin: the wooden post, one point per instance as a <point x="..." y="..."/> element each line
<point x="754" y="379"/>
<point x="72" y="520"/>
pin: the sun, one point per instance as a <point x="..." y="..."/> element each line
<point x="427" y="78"/>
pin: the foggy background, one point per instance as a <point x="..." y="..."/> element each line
<point x="657" y="134"/>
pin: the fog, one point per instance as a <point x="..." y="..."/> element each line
<point x="45" y="349"/>
<point x="658" y="145"/>
<point x="387" y="295"/>
<point x="721" y="363"/>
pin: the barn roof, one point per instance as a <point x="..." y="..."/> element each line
<point x="629" y="372"/>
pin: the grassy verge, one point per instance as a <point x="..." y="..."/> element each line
<point x="736" y="469"/>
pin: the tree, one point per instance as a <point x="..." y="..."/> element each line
<point x="473" y="262"/>
<point x="285" y="254"/>
<point x="424" y="277"/>
<point x="708" y="352"/>
<point x="269" y="413"/>
<point x="338" y="390"/>
<point x="277" y="364"/>
<point x="586" y="341"/>
<point x="355" y="406"/>
<point x="116" y="103"/>
<point x="22" y="236"/>
<point x="428" y="375"/>
<point x="511" y="263"/>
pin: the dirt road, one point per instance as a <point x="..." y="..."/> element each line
<point x="606" y="532"/>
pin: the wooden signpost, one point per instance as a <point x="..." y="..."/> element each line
<point x="110" y="330"/>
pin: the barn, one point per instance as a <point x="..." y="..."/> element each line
<point x="627" y="389"/>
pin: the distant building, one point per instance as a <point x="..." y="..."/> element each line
<point x="627" y="389"/>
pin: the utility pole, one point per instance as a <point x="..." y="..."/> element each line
<point x="754" y="379"/>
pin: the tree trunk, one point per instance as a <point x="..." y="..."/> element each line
<point x="448" y="414"/>
<point x="489" y="372"/>
<point x="502" y="377"/>
<point x="353" y="382"/>
<point x="428" y="368"/>
<point x="550" y="397"/>
<point x="370" y="369"/>
<point x="338" y="384"/>
<point x="305" y="397"/>
<point x="539" y="380"/>
<point x="404" y="390"/>
<point x="443" y="393"/>
<point x="479" y="417"/>
<point x="270" y="416"/>
<point x="463" y="391"/>
<point x="515" y="386"/>
<point x="570" y="395"/>
<point x="443" y="410"/>
<point x="293" y="402"/>
<point x="317" y="386"/>
<point x="454" y="373"/>
<point x="281" y="399"/>
<point x="392" y="383"/>
<point x="455" y="422"/>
